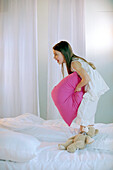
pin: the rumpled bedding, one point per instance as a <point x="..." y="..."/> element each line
<point x="98" y="155"/>
<point x="44" y="130"/>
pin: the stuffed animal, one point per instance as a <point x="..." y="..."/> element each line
<point x="90" y="130"/>
<point x="79" y="141"/>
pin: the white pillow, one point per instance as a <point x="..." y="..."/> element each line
<point x="16" y="146"/>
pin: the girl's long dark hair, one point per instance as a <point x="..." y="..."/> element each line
<point x="65" y="48"/>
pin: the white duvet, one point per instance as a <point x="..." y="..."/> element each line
<point x="97" y="156"/>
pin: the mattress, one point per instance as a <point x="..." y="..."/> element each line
<point x="97" y="156"/>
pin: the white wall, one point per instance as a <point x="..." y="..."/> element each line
<point x="99" y="49"/>
<point x="99" y="38"/>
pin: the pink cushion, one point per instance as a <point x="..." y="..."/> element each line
<point x="65" y="99"/>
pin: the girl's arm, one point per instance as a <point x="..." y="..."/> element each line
<point x="82" y="73"/>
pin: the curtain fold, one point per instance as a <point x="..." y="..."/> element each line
<point x="18" y="58"/>
<point x="66" y="22"/>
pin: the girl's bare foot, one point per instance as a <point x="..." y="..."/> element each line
<point x="82" y="128"/>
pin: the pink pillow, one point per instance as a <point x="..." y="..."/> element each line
<point x="65" y="99"/>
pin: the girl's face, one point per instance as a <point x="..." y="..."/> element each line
<point x="58" y="56"/>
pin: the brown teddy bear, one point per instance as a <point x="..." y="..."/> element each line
<point x="79" y="141"/>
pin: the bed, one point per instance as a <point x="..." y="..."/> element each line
<point x="97" y="156"/>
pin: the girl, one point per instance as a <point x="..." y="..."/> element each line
<point x="94" y="84"/>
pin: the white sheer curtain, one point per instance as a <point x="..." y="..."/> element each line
<point x="66" y="22"/>
<point x="18" y="58"/>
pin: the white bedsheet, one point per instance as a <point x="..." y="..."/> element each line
<point x="44" y="130"/>
<point x="52" y="132"/>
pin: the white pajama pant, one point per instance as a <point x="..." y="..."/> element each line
<point x="86" y="111"/>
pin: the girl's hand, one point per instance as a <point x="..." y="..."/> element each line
<point x="77" y="89"/>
